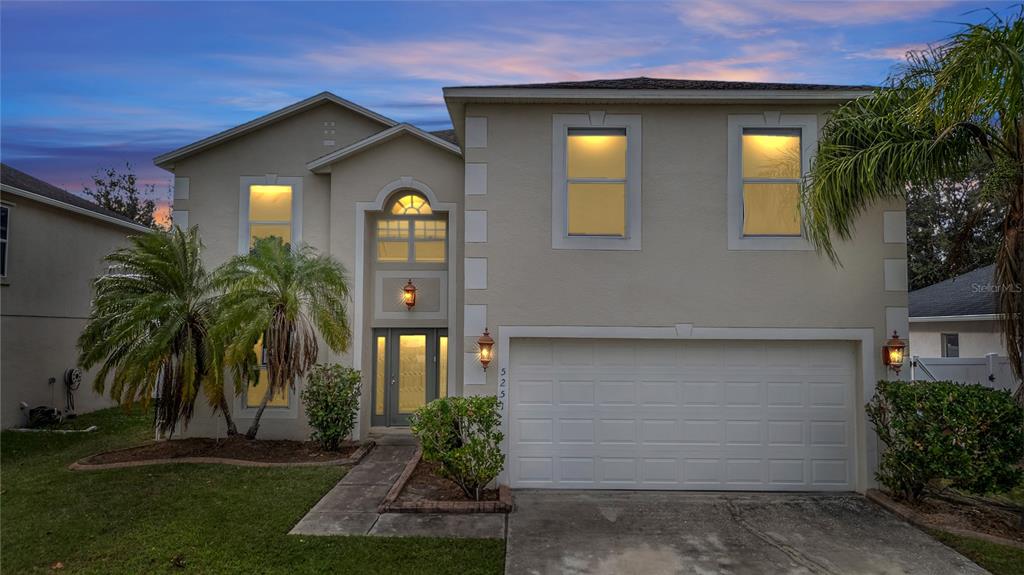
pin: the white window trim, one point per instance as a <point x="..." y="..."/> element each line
<point x="243" y="206"/>
<point x="291" y="411"/>
<point x="560" y="238"/>
<point x="6" y="243"/>
<point x="808" y="126"/>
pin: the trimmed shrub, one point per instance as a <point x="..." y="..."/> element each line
<point x="968" y="435"/>
<point x="461" y="435"/>
<point x="331" y="399"/>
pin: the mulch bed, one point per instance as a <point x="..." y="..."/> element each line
<point x="426" y="485"/>
<point x="233" y="450"/>
<point x="969" y="518"/>
<point x="420" y="489"/>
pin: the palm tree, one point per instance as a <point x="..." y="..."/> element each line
<point x="947" y="110"/>
<point x="149" y="326"/>
<point x="277" y="294"/>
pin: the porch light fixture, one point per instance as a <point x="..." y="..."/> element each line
<point x="486" y="344"/>
<point x="893" y="352"/>
<point x="409" y="295"/>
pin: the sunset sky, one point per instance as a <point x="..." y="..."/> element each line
<point x="91" y="85"/>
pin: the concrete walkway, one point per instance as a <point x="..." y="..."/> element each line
<point x="350" y="507"/>
<point x="655" y="533"/>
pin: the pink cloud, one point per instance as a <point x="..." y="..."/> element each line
<point x="764" y="17"/>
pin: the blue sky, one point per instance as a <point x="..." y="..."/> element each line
<point x="88" y="85"/>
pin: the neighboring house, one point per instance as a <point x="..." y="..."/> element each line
<point x="957" y="317"/>
<point x="633" y="246"/>
<point x="52" y="244"/>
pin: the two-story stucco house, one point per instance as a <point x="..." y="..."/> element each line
<point x="633" y="246"/>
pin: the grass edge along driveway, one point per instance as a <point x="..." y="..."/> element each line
<point x="185" y="518"/>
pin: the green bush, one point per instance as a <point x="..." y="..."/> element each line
<point x="461" y="435"/>
<point x="331" y="399"/>
<point x="968" y="435"/>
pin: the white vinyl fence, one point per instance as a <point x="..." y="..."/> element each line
<point x="991" y="371"/>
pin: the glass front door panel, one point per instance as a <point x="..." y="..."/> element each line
<point x="442" y="366"/>
<point x="412" y="372"/>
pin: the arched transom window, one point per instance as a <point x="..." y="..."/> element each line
<point x="411" y="205"/>
<point x="410" y="231"/>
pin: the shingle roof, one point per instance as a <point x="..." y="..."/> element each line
<point x="971" y="293"/>
<point x="448" y="135"/>
<point x="21" y="180"/>
<point x="644" y="83"/>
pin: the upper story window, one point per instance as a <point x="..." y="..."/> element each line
<point x="771" y="182"/>
<point x="410" y="232"/>
<point x="5" y="215"/>
<point x="596" y="182"/>
<point x="768" y="155"/>
<point x="270" y="212"/>
<point x="269" y="206"/>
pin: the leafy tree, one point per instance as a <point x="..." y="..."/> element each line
<point x="150" y="327"/>
<point x="119" y="192"/>
<point x="951" y="229"/>
<point x="279" y="294"/>
<point x="944" y="112"/>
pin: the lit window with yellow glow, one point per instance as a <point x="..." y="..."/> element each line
<point x="596" y="182"/>
<point x="255" y="393"/>
<point x="412" y="233"/>
<point x="270" y="212"/>
<point x="771" y="182"/>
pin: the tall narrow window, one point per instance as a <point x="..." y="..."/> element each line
<point x="380" y="381"/>
<point x="442" y="366"/>
<point x="270" y="212"/>
<point x="596" y="182"/>
<point x="771" y="182"/>
<point x="412" y="233"/>
<point x="5" y="215"/>
<point x="254" y="394"/>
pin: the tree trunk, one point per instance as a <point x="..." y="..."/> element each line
<point x="255" y="426"/>
<point x="232" y="430"/>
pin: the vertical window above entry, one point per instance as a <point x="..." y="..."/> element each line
<point x="769" y="153"/>
<point x="596" y="182"/>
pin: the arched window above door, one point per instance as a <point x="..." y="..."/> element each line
<point x="409" y="231"/>
<point x="411" y="205"/>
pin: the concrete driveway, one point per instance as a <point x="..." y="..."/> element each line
<point x="650" y="533"/>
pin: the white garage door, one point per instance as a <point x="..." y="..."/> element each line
<point x="656" y="414"/>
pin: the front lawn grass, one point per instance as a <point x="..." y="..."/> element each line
<point x="998" y="559"/>
<point x="185" y="518"/>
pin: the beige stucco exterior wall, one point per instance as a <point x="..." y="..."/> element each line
<point x="361" y="178"/>
<point x="53" y="256"/>
<point x="328" y="212"/>
<point x="977" y="338"/>
<point x="282" y="148"/>
<point x="684" y="273"/>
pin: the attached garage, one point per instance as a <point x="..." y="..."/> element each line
<point x="681" y="414"/>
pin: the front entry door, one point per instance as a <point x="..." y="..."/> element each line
<point x="410" y="369"/>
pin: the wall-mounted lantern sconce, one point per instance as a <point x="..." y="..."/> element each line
<point x="409" y="295"/>
<point x="893" y="352"/>
<point x="486" y="344"/>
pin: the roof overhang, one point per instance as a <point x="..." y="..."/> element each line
<point x="167" y="160"/>
<point x="456" y="98"/>
<point x="945" y="318"/>
<point x="322" y="164"/>
<point x="6" y="188"/>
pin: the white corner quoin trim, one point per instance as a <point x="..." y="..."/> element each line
<point x="560" y="238"/>
<point x="866" y="443"/>
<point x="808" y="126"/>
